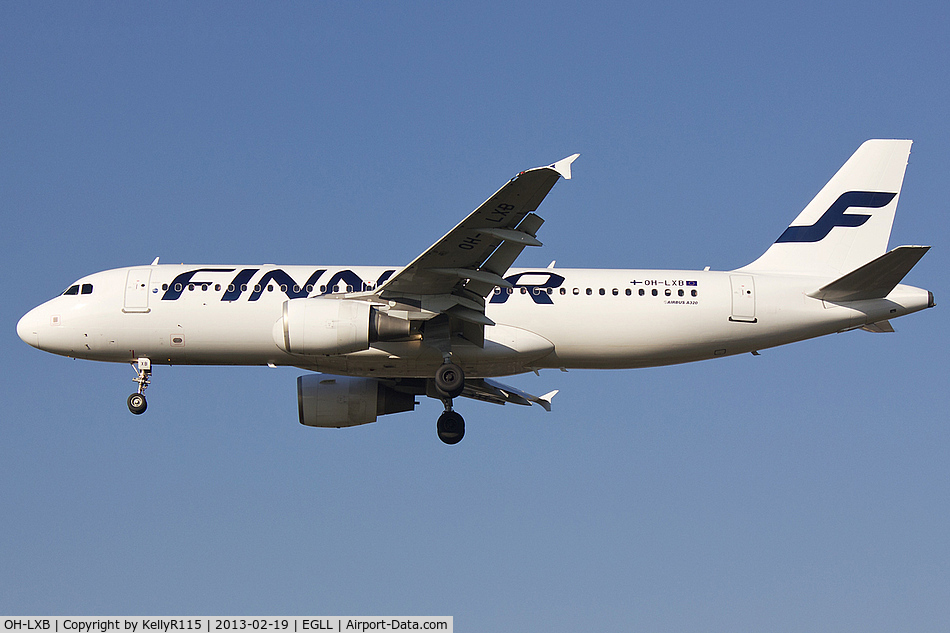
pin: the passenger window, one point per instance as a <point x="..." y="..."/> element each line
<point x="589" y="291"/>
<point x="668" y="292"/>
<point x="217" y="286"/>
<point x="72" y="290"/>
<point x="654" y="292"/>
<point x="602" y="292"/>
<point x="642" y="292"/>
<point x="693" y="293"/>
<point x="680" y="292"/>
<point x="164" y="286"/>
<point x="615" y="292"/>
<point x="577" y="291"/>
<point x="563" y="291"/>
<point x="628" y="292"/>
<point x="87" y="289"/>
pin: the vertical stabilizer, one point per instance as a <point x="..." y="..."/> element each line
<point x="849" y="222"/>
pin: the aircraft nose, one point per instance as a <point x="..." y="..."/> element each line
<point x="28" y="327"/>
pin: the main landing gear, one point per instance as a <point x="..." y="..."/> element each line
<point x="137" y="403"/>
<point x="449" y="384"/>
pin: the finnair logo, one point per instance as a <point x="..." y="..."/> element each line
<point x="836" y="216"/>
<point x="272" y="279"/>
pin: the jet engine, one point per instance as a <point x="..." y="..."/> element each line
<point x="335" y="326"/>
<point x="338" y="401"/>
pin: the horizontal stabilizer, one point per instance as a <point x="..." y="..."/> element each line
<point x="874" y="280"/>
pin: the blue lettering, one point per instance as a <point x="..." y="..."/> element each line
<point x="237" y="285"/>
<point x="537" y="291"/>
<point x="177" y="286"/>
<point x="293" y="291"/>
<point x="350" y="279"/>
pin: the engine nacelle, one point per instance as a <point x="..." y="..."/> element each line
<point x="338" y="401"/>
<point x="335" y="326"/>
<point x="325" y="326"/>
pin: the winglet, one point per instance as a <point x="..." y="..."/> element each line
<point x="563" y="166"/>
<point x="545" y="400"/>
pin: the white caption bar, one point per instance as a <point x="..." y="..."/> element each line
<point x="222" y="624"/>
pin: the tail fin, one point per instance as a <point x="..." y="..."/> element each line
<point x="849" y="222"/>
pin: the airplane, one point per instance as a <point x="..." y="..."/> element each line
<point x="458" y="316"/>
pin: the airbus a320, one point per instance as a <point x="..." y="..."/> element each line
<point x="372" y="339"/>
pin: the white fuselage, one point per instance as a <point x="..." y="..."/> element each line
<point x="552" y="318"/>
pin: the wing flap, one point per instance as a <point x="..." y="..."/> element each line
<point x="881" y="327"/>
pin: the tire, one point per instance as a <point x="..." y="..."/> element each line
<point x="450" y="380"/>
<point x="137" y="403"/>
<point x="451" y="427"/>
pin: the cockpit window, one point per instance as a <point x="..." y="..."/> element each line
<point x="72" y="290"/>
<point x="87" y="289"/>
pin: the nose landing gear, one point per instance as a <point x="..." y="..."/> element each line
<point x="136" y="401"/>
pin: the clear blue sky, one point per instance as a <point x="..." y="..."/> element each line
<point x="807" y="489"/>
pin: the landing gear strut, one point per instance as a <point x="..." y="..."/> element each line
<point x="137" y="403"/>
<point x="449" y="383"/>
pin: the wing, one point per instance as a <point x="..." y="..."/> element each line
<point x="470" y="260"/>
<point x="497" y="393"/>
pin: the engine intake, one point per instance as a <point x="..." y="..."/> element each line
<point x="338" y="401"/>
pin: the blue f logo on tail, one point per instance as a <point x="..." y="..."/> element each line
<point x="835" y="216"/>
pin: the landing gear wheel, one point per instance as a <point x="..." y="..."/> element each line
<point x="451" y="427"/>
<point x="137" y="403"/>
<point x="450" y="380"/>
